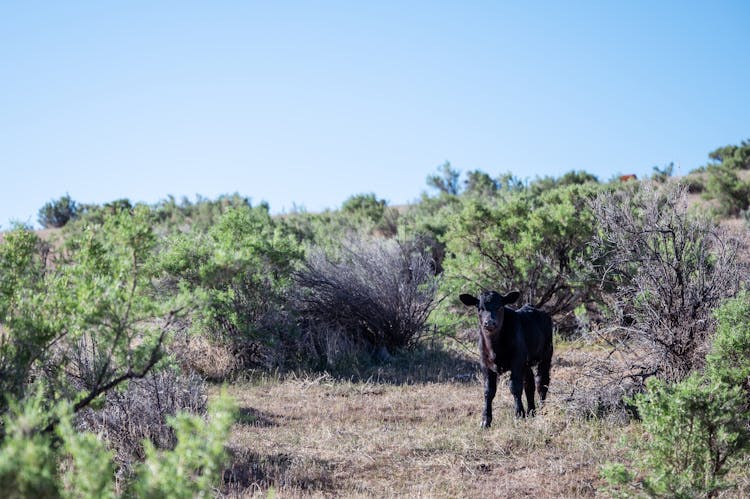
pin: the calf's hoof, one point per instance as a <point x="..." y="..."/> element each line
<point x="486" y="423"/>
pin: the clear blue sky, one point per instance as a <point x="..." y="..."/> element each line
<point x="308" y="103"/>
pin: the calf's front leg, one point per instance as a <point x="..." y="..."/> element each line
<point x="490" y="388"/>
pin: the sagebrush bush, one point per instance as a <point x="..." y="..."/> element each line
<point x="534" y="243"/>
<point x="140" y="412"/>
<point x="697" y="429"/>
<point x="72" y="463"/>
<point x="199" y="215"/>
<point x="377" y="291"/>
<point x="730" y="191"/>
<point x="233" y="279"/>
<point x="729" y="360"/>
<point x="194" y="467"/>
<point x="663" y="270"/>
<point x="57" y="213"/>
<point x="27" y="459"/>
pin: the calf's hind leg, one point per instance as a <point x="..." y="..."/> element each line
<point x="528" y="381"/>
<point x="542" y="379"/>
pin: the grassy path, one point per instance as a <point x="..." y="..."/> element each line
<point x="324" y="437"/>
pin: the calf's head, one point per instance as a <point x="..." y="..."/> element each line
<point x="490" y="306"/>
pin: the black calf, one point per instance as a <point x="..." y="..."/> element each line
<point x="512" y="340"/>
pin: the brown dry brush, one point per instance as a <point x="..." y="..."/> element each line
<point x="662" y="269"/>
<point x="140" y="412"/>
<point x="376" y="291"/>
<point x="134" y="410"/>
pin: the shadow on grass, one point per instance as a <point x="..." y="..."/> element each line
<point x="422" y="364"/>
<point x="253" y="417"/>
<point x="251" y="471"/>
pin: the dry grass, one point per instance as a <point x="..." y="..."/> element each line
<point x="319" y="436"/>
<point x="208" y="358"/>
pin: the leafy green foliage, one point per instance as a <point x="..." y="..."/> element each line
<point x="732" y="156"/>
<point x="698" y="428"/>
<point x="366" y="213"/>
<point x="89" y="469"/>
<point x="523" y="242"/>
<point x="57" y="213"/>
<point x="573" y="177"/>
<point x="728" y="189"/>
<point x="24" y="332"/>
<point x="367" y="205"/>
<point x="729" y="360"/>
<point x="89" y="322"/>
<point x="694" y="429"/>
<point x="724" y="183"/>
<point x="27" y="460"/>
<point x="480" y="184"/>
<point x="199" y="215"/>
<point x="106" y="295"/>
<point x="234" y="278"/>
<point x="696" y="432"/>
<point x="194" y="467"/>
<point x="69" y="463"/>
<point x="445" y="181"/>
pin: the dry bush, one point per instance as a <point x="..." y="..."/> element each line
<point x="211" y="359"/>
<point x="379" y="292"/>
<point x="595" y="382"/>
<point x="663" y="270"/>
<point x="140" y="412"/>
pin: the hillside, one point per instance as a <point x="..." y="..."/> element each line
<point x="353" y="365"/>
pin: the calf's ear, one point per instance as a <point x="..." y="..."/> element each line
<point x="511" y="297"/>
<point x="469" y="300"/>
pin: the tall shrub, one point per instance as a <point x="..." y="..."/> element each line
<point x="57" y="213"/>
<point x="535" y="244"/>
<point x="233" y="280"/>
<point x="697" y="430"/>
<point x="70" y="463"/>
<point x="664" y="270"/>
<point x="377" y="291"/>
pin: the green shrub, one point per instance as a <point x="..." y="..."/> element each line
<point x="57" y="213"/>
<point x="696" y="430"/>
<point x="365" y="205"/>
<point x="445" y="181"/>
<point x="233" y="279"/>
<point x="729" y="360"/>
<point x="532" y="243"/>
<point x="25" y="333"/>
<point x="70" y="463"/>
<point x="695" y="183"/>
<point x="732" y="156"/>
<point x="193" y="468"/>
<point x="725" y="186"/>
<point x="198" y="215"/>
<point x="480" y="184"/>
<point x="27" y="459"/>
<point x="87" y="323"/>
